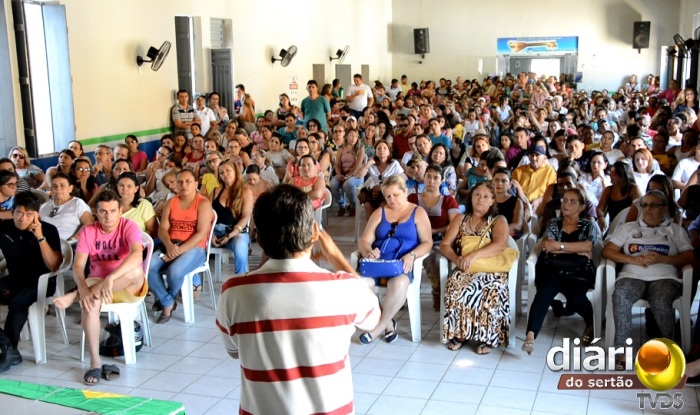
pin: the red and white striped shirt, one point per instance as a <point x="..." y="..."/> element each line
<point x="290" y="322"/>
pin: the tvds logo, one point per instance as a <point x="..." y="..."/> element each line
<point x="659" y="365"/>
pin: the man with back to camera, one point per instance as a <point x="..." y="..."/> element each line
<point x="115" y="248"/>
<point x="294" y="354"/>
<point x="183" y="114"/>
<point x="358" y="96"/>
<point x="32" y="248"/>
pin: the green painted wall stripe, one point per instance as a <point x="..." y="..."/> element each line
<point x="120" y="137"/>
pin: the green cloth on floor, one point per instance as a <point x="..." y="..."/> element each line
<point x="91" y="400"/>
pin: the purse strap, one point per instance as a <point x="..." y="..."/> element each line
<point x="382" y="249"/>
<point x="486" y="231"/>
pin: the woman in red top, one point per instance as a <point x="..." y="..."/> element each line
<point x="184" y="229"/>
<point x="308" y="180"/>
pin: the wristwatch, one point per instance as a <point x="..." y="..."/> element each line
<point x="42" y="239"/>
<point x="561" y="247"/>
<point x="413" y="254"/>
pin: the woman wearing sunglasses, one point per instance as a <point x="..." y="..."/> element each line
<point x="650" y="250"/>
<point x="408" y="229"/>
<point x="65" y="212"/>
<point x="25" y="170"/>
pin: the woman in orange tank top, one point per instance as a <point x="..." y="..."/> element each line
<point x="183" y="230"/>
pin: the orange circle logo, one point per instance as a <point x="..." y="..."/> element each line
<point x="660" y="364"/>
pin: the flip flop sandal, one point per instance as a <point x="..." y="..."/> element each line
<point x="92" y="374"/>
<point x="110" y="372"/>
<point x="455" y="345"/>
<point x="483" y="348"/>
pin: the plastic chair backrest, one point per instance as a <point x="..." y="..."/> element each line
<point x="148" y="246"/>
<point x="214" y="218"/>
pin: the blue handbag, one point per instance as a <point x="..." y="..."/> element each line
<point x="382" y="268"/>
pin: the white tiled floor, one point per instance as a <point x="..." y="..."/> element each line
<point x="187" y="363"/>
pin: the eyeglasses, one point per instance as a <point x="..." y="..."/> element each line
<point x="313" y="142"/>
<point x="213" y="160"/>
<point x="53" y="212"/>
<point x="17" y="155"/>
<point x="164" y="155"/>
<point x="651" y="205"/>
<point x="570" y="202"/>
<point x="101" y="153"/>
<point x="11" y="185"/>
<point x="83" y="169"/>
<point x="403" y="125"/>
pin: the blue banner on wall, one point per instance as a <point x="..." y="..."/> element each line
<point x="537" y="46"/>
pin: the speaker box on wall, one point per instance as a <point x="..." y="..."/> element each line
<point x="640" y="39"/>
<point x="421" y="40"/>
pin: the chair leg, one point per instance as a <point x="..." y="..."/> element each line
<point x="126" y="317"/>
<point x="188" y="299"/>
<point x="207" y="274"/>
<point x="145" y="324"/>
<point x="414" y="311"/>
<point x="36" y="324"/>
<point x="217" y="266"/>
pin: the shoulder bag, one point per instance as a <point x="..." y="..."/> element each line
<point x="498" y="263"/>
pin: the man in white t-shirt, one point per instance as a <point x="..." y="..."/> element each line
<point x="205" y="114"/>
<point x="394" y="89"/>
<point x="359" y="96"/>
<point x="685" y="169"/>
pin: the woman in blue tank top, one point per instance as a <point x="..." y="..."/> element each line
<point x="407" y="228"/>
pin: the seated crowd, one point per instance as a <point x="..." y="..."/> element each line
<point x="451" y="170"/>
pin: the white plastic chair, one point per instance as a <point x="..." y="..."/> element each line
<point x="445" y="269"/>
<point x="525" y="244"/>
<point x="219" y="254"/>
<point x="595" y="295"/>
<point x="327" y="200"/>
<point x="187" y="291"/>
<point x="359" y="213"/>
<point x="412" y="295"/>
<point x="618" y="220"/>
<point x="37" y="313"/>
<point x="126" y="313"/>
<point x="681" y="304"/>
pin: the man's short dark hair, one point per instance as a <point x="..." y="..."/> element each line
<point x="241" y="87"/>
<point x="28" y="200"/>
<point x="312" y="82"/>
<point x="357" y="75"/>
<point x="180" y="91"/>
<point x="107" y="196"/>
<point x="284" y="219"/>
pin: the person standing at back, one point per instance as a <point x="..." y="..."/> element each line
<point x="315" y="107"/>
<point x="294" y="354"/>
<point x="359" y="96"/>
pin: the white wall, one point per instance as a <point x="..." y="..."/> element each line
<point x="112" y="96"/>
<point x="688" y="8"/>
<point x="463" y="32"/>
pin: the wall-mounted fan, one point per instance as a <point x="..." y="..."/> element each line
<point x="678" y="40"/>
<point x="155" y="56"/>
<point x="285" y="56"/>
<point x="340" y="54"/>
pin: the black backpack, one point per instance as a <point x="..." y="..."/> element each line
<point x="112" y="345"/>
